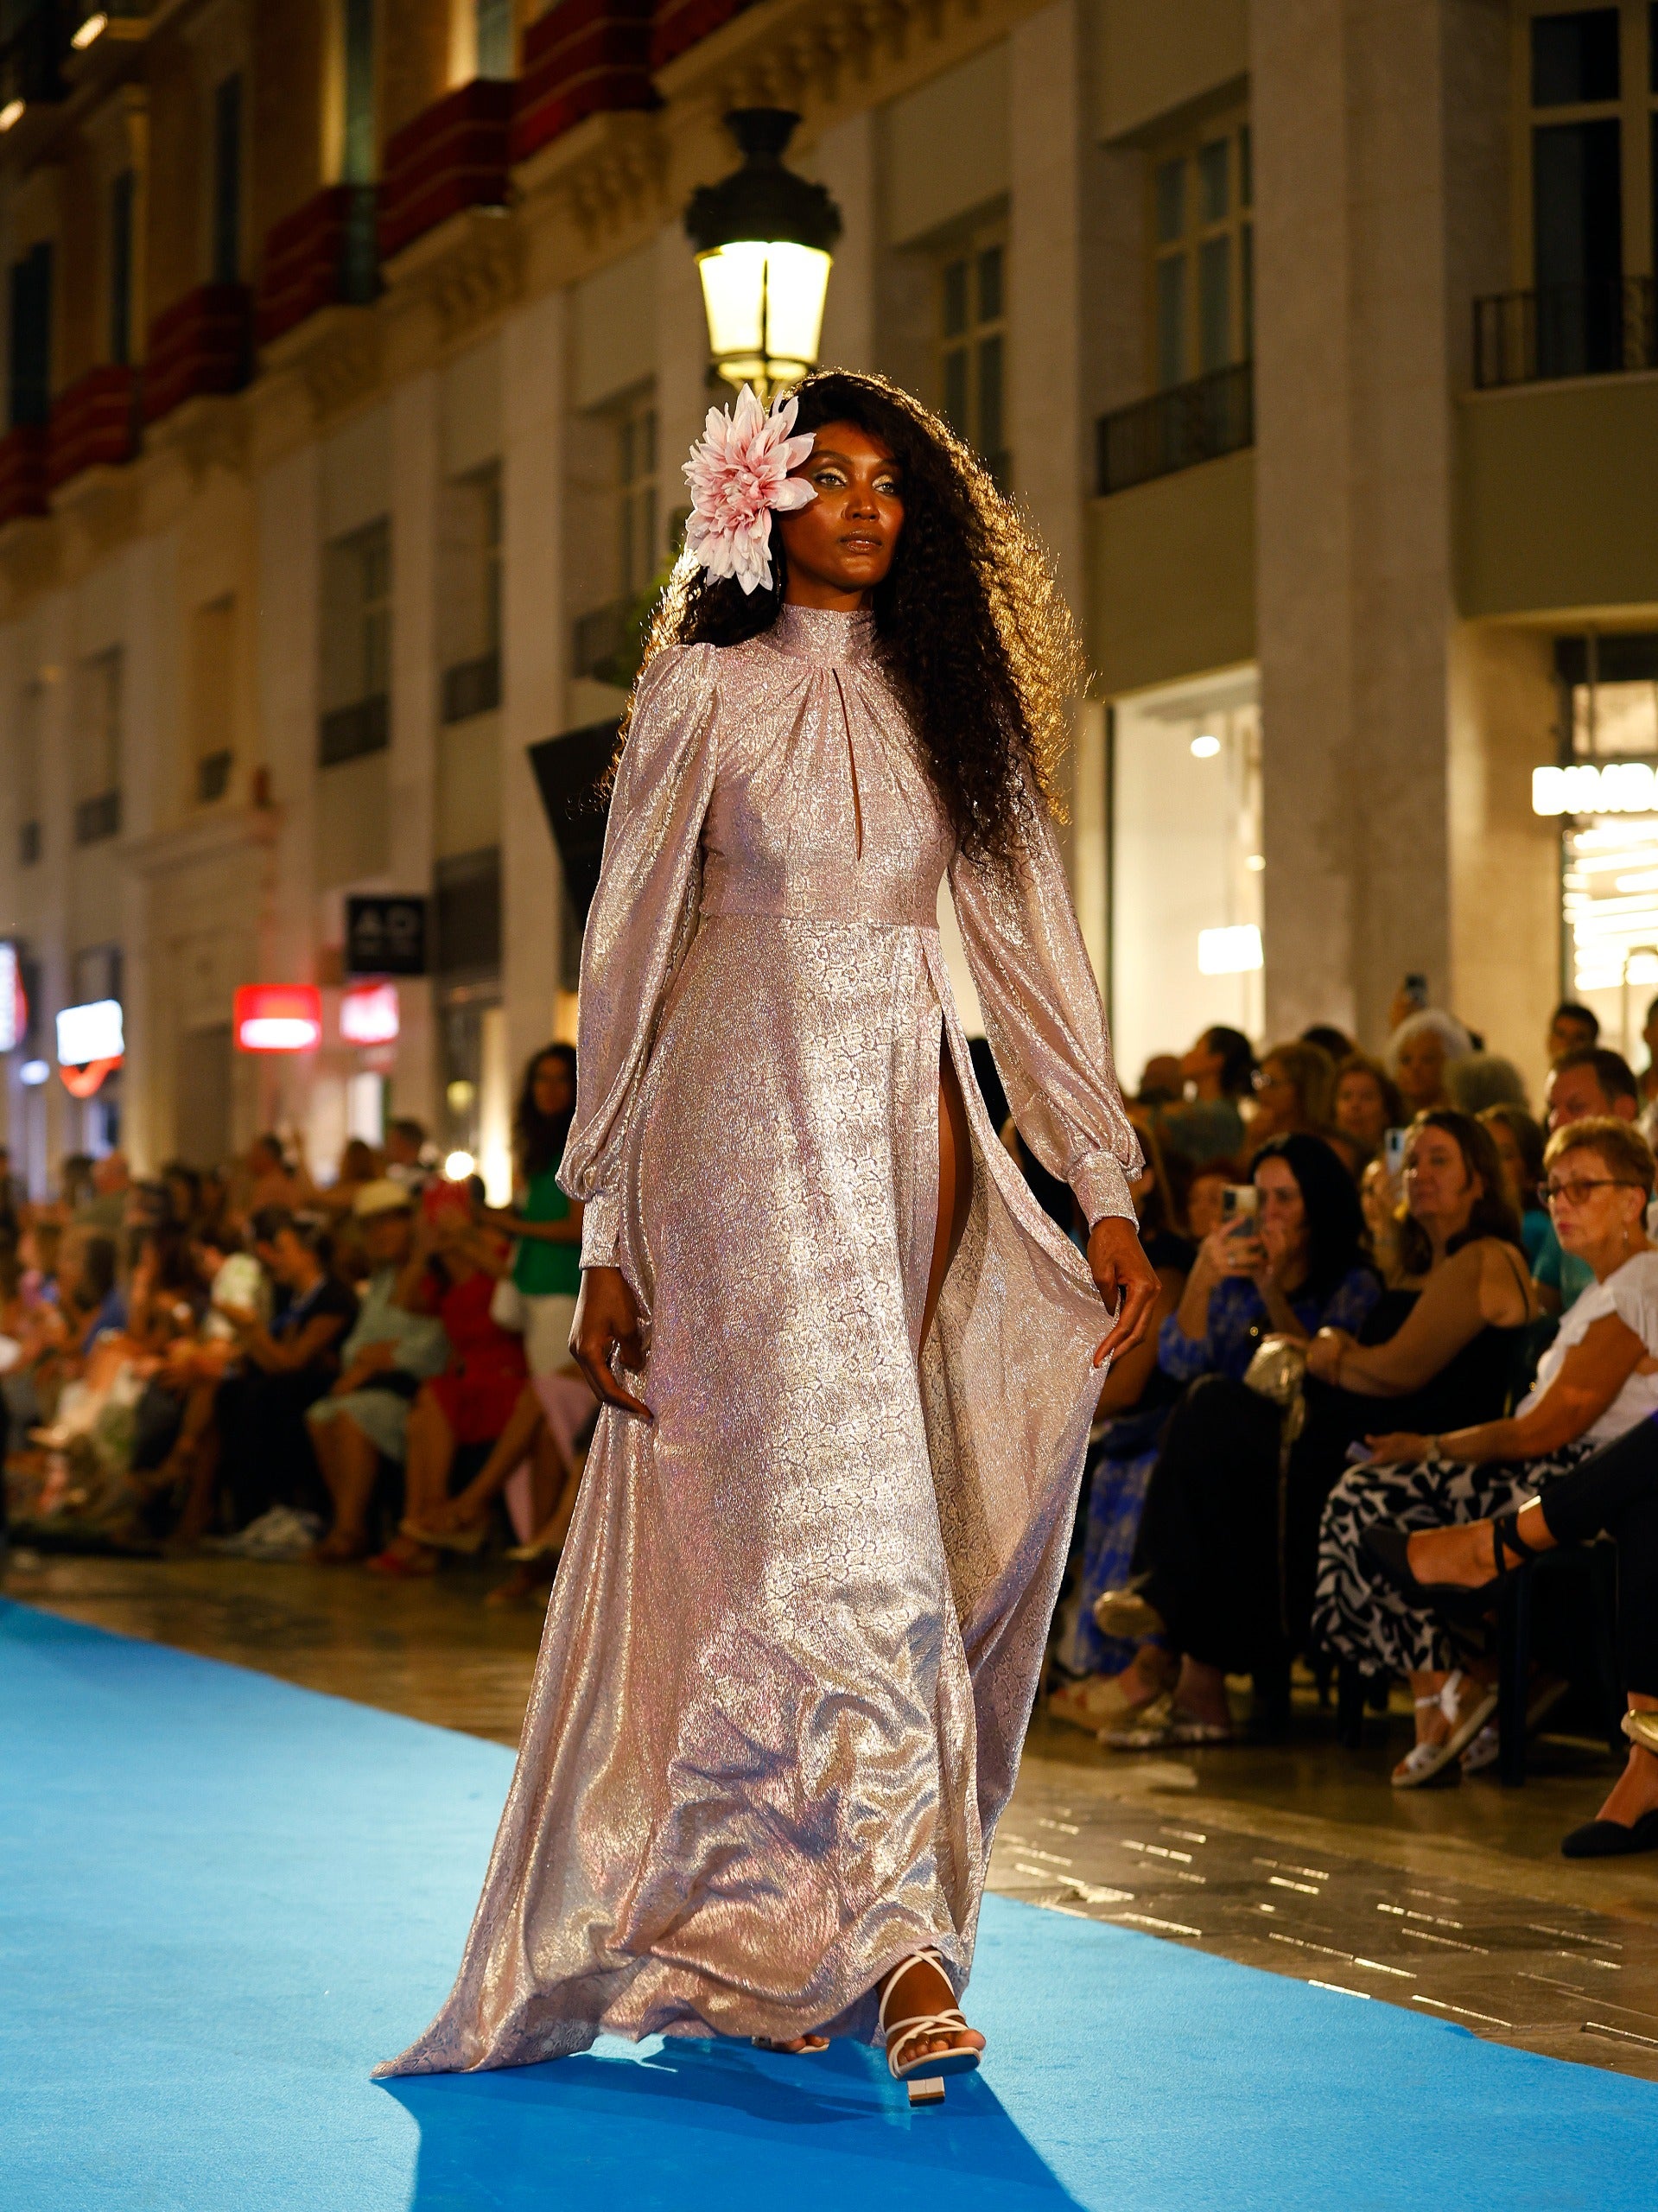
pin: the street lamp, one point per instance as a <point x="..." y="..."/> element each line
<point x="763" y="237"/>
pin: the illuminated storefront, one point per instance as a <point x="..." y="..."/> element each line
<point x="1604" y="792"/>
<point x="1186" y="866"/>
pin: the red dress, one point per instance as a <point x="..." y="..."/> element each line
<point x="487" y="1369"/>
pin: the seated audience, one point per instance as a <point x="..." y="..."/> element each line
<point x="1454" y="1572"/>
<point x="1572" y="1028"/>
<point x="394" y="1346"/>
<point x="1112" y="1676"/>
<point x="472" y="1402"/>
<point x="259" y="1449"/>
<point x="1585" y="1082"/>
<point x="1366" y="1103"/>
<point x="1217" y="1075"/>
<point x="1296" y="1266"/>
<point x="1329" y="1039"/>
<point x="105" y="1210"/>
<point x="1160" y="1082"/>
<point x="1418" y="1052"/>
<point x="1596" y="1381"/>
<point x="1293" y="1086"/>
<point x="1206" y="1198"/>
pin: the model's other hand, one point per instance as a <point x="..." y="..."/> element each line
<point x="607" y="1320"/>
<point x="1120" y="1270"/>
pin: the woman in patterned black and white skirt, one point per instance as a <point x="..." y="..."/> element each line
<point x="1597" y="1380"/>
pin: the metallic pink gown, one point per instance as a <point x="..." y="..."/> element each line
<point x="798" y="1624"/>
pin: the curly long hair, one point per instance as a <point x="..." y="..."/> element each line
<point x="1493" y="1212"/>
<point x="971" y="629"/>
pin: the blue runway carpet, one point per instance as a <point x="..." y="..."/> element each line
<point x="222" y="1899"/>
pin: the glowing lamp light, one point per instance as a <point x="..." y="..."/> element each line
<point x="278" y="1017"/>
<point x="1206" y="748"/>
<point x="12" y="113"/>
<point x="93" y="28"/>
<point x="459" y="1165"/>
<point x="764" y="238"/>
<point x="368" y="1014"/>
<point x="1615" y="787"/>
<point x="90" y="1032"/>
<point x="1234" y="951"/>
<point x="34" y="1073"/>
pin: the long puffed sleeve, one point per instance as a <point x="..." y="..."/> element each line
<point x="643" y="918"/>
<point x="1045" y="1021"/>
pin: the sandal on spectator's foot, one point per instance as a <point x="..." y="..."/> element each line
<point x="1099" y="1700"/>
<point x="1427" y="1763"/>
<point x="1642" y="1729"/>
<point x="538" y="1547"/>
<point x="801" y="2046"/>
<point x="398" y="1569"/>
<point x="1612" y="1838"/>
<point x="466" y="1540"/>
<point x="921" y="2027"/>
<point x="1163" y="1726"/>
<point x="1385" y="1545"/>
<point x="1127" y="1613"/>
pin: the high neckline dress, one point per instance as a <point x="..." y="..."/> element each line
<point x="799" y="1620"/>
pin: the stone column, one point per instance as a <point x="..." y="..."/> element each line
<point x="844" y="160"/>
<point x="534" y="661"/>
<point x="412" y="767"/>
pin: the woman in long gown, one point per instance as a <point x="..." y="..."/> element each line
<point x="846" y="1363"/>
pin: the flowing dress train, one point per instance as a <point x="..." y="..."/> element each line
<point x="799" y="1619"/>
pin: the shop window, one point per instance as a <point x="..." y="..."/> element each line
<point x="212" y="698"/>
<point x="621" y="498"/>
<point x="1186" y="867"/>
<point x="29" y="398"/>
<point x="469" y="599"/>
<point x="122" y="196"/>
<point x="227" y="180"/>
<point x="96" y="747"/>
<point x="1201" y="252"/>
<point x="972" y="345"/>
<point x="467" y="915"/>
<point x="356" y="644"/>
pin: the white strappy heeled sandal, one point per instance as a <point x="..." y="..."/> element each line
<point x="916" y="2026"/>
<point x="1424" y="1761"/>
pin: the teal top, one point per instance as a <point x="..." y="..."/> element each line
<point x="1556" y="1268"/>
<point x="540" y="1269"/>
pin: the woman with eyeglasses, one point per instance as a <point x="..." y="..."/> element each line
<point x="1293" y="1086"/>
<point x="1595" y="1381"/>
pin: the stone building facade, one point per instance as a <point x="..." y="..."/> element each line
<point x="354" y="346"/>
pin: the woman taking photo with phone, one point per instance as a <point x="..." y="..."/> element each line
<point x="846" y="1363"/>
<point x="1288" y="1262"/>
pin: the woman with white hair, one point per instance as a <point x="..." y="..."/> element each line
<point x="1417" y="1054"/>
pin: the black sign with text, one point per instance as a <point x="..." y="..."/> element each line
<point x="385" y="936"/>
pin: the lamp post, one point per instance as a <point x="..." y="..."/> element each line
<point x="763" y="237"/>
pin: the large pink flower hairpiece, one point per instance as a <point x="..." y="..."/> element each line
<point x="738" y="473"/>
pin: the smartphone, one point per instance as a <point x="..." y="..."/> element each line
<point x="1240" y="1202"/>
<point x="1416" y="989"/>
<point x="1393" y="1151"/>
<point x="1358" y="1455"/>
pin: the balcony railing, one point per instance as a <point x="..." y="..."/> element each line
<point x="1564" y="330"/>
<point x="99" y="817"/>
<point x="472" y="687"/>
<point x="1177" y="429"/>
<point x="347" y="732"/>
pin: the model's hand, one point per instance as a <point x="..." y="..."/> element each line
<point x="1120" y="1270"/>
<point x="607" y="1320"/>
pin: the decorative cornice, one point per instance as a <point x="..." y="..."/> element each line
<point x="31" y="558"/>
<point x="339" y="355"/>
<point x="465" y="273"/>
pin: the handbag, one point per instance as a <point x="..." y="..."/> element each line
<point x="506" y="1307"/>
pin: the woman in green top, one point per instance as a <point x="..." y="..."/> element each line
<point x="547" y="1268"/>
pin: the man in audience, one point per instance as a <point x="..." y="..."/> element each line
<point x="395" y="1346"/>
<point x="105" y="1213"/>
<point x="1572" y="1028"/>
<point x="1586" y="1081"/>
<point x="405" y="1145"/>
